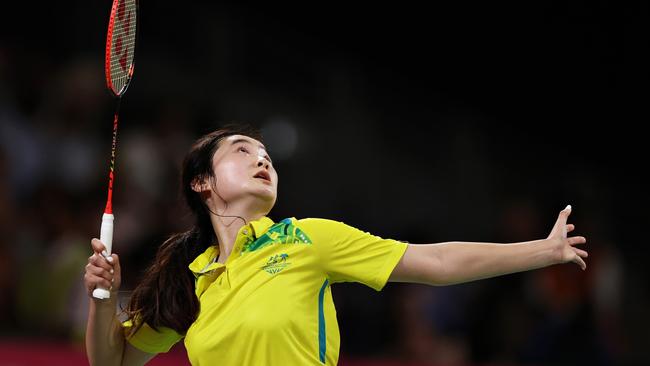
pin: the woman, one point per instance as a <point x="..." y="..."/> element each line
<point x="244" y="290"/>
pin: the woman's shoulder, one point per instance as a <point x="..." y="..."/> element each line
<point x="315" y="221"/>
<point x="317" y="224"/>
<point x="315" y="230"/>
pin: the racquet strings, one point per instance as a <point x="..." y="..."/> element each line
<point x="120" y="46"/>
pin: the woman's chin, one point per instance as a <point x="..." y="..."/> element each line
<point x="265" y="204"/>
<point x="266" y="195"/>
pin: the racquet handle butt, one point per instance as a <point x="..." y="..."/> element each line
<point x="100" y="293"/>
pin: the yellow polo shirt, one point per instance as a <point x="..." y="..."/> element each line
<point x="271" y="303"/>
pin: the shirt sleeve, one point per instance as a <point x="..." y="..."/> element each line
<point x="149" y="340"/>
<point x="348" y="254"/>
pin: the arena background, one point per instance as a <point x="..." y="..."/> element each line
<point x="421" y="122"/>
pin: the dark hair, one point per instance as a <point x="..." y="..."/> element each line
<point x="165" y="296"/>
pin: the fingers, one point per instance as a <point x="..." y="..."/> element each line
<point x="107" y="274"/>
<point x="93" y="282"/>
<point x="98" y="246"/>
<point x="98" y="274"/>
<point x="578" y="258"/>
<point x="580" y="252"/>
<point x="570" y="228"/>
<point x="564" y="215"/>
<point x="103" y="272"/>
<point x="117" y="270"/>
<point x="561" y="228"/>
<point x="99" y="261"/>
<point x="580" y="262"/>
<point x="574" y="240"/>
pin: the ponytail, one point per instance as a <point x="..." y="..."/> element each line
<point x="165" y="296"/>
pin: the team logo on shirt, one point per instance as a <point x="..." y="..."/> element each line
<point x="284" y="232"/>
<point x="276" y="263"/>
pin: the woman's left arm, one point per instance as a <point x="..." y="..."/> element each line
<point x="457" y="262"/>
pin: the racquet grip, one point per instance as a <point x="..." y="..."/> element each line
<point x="106" y="237"/>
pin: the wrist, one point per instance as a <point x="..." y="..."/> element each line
<point x="552" y="251"/>
<point x="109" y="304"/>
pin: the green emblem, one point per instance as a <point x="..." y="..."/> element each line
<point x="276" y="263"/>
<point x="284" y="232"/>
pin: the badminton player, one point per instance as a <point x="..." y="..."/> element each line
<point x="241" y="289"/>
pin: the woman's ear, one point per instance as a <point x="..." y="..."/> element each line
<point x="199" y="184"/>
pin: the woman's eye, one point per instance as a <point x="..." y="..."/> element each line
<point x="243" y="149"/>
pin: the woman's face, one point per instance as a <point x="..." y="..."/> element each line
<point x="243" y="170"/>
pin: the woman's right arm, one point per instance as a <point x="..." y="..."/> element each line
<point x="105" y="343"/>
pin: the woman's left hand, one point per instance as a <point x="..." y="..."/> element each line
<point x="564" y="246"/>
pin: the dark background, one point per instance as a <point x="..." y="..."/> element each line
<point x="469" y="121"/>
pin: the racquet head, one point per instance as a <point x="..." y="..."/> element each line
<point x="120" y="45"/>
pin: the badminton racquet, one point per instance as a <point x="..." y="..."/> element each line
<point x="120" y="44"/>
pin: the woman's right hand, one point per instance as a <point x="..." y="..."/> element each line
<point x="102" y="271"/>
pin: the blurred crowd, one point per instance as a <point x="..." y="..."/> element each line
<point x="55" y="129"/>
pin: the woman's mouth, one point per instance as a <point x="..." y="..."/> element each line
<point x="264" y="175"/>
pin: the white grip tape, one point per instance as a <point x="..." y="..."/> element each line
<point x="106" y="237"/>
<point x="106" y="232"/>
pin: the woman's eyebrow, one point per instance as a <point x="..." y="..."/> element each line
<point x="245" y="141"/>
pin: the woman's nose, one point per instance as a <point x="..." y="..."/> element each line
<point x="262" y="162"/>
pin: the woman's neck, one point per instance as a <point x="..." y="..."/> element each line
<point x="226" y="225"/>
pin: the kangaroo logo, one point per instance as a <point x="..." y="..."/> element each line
<point x="276" y="263"/>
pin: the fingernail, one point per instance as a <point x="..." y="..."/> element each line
<point x="112" y="271"/>
<point x="104" y="253"/>
<point x="568" y="207"/>
<point x="110" y="259"/>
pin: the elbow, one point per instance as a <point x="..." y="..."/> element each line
<point x="423" y="264"/>
<point x="431" y="270"/>
<point x="439" y="273"/>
